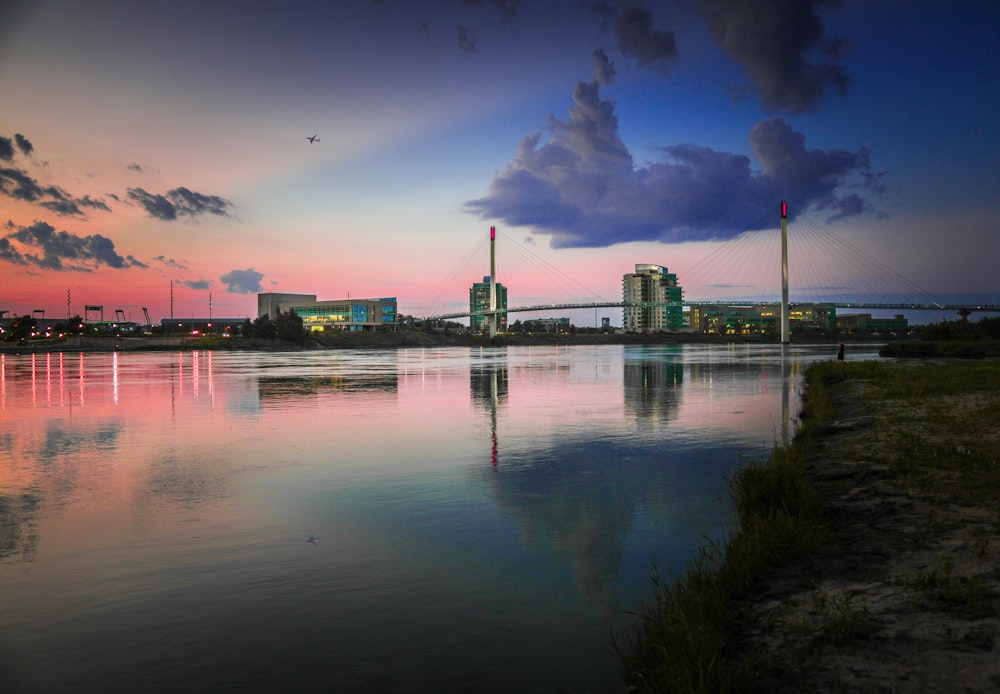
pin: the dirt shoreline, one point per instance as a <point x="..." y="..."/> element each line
<point x="903" y="596"/>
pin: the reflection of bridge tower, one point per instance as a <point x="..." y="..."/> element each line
<point x="489" y="386"/>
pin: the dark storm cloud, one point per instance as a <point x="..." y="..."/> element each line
<point x="633" y="28"/>
<point x="180" y="202"/>
<point x="604" y="69"/>
<point x="243" y="281"/>
<point x="466" y="42"/>
<point x="61" y="250"/>
<point x="774" y="41"/>
<point x="583" y="189"/>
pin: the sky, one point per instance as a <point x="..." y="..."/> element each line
<point x="155" y="154"/>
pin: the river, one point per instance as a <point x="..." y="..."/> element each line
<point x="453" y="519"/>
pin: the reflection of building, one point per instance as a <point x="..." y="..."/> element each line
<point x="479" y="301"/>
<point x="337" y="314"/>
<point x="864" y="323"/>
<point x="297" y="388"/>
<point x="655" y="299"/>
<point x="651" y="388"/>
<point x="722" y="319"/>
<point x="488" y="384"/>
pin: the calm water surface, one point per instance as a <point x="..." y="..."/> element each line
<point x="482" y="519"/>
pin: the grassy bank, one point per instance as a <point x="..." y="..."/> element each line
<point x="917" y="444"/>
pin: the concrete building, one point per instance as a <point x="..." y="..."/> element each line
<point x="336" y="314"/>
<point x="479" y="300"/>
<point x="656" y="300"/>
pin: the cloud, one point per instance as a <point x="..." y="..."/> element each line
<point x="604" y="69"/>
<point x="180" y="202"/>
<point x="134" y="167"/>
<point x="772" y="39"/>
<point x="633" y="28"/>
<point x="466" y="42"/>
<point x="17" y="184"/>
<point x="170" y="262"/>
<point x="61" y="250"/>
<point x="243" y="281"/>
<point x="10" y="254"/>
<point x="197" y="284"/>
<point x="23" y="144"/>
<point x="7" y="146"/>
<point x="582" y="188"/>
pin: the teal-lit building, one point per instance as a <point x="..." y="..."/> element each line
<point x="336" y="314"/>
<point x="652" y="299"/>
<point x="479" y="300"/>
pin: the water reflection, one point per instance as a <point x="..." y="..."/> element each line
<point x="173" y="490"/>
<point x="282" y="388"/>
<point x="652" y="384"/>
<point x="488" y="386"/>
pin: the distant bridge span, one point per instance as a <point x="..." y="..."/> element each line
<point x="984" y="308"/>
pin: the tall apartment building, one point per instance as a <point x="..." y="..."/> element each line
<point x="479" y="300"/>
<point x="655" y="299"/>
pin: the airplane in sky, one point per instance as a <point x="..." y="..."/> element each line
<point x="313" y="139"/>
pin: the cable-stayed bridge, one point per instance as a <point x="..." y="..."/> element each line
<point x="750" y="270"/>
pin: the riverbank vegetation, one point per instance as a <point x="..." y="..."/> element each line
<point x="960" y="339"/>
<point x="863" y="554"/>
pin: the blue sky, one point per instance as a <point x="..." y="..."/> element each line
<point x="145" y="146"/>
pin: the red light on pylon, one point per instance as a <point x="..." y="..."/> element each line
<point x="784" y="209"/>
<point x="493" y="233"/>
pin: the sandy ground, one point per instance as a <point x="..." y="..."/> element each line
<point x="903" y="597"/>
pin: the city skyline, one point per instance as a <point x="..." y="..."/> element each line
<point x="147" y="147"/>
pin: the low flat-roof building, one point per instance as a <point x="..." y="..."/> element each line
<point x="336" y="314"/>
<point x="864" y="323"/>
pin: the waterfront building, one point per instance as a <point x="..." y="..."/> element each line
<point x="335" y="314"/>
<point x="720" y="319"/>
<point x="760" y="319"/>
<point x="653" y="300"/>
<point x="864" y="323"/>
<point x="547" y="325"/>
<point x="479" y="301"/>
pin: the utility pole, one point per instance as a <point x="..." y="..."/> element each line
<point x="171" y="299"/>
<point x="784" y="274"/>
<point x="210" y="307"/>
<point x="68" y="314"/>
